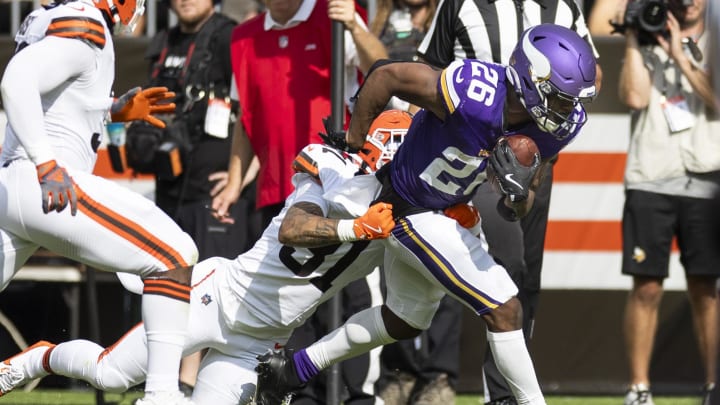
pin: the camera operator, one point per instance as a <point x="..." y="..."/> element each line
<point x="671" y="175"/>
<point x="189" y="159"/>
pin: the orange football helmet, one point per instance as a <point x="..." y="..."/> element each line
<point x="386" y="134"/>
<point x="124" y="14"/>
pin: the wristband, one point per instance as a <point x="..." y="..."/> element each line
<point x="345" y="230"/>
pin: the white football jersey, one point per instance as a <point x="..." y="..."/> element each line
<point x="273" y="286"/>
<point x="73" y="112"/>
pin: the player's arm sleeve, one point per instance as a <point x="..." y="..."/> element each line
<point x="438" y="44"/>
<point x="28" y="75"/>
<point x="308" y="189"/>
<point x="451" y="83"/>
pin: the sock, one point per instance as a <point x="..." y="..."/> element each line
<point x="513" y="361"/>
<point x="361" y="333"/>
<point x="304" y="367"/>
<point x="165" y="309"/>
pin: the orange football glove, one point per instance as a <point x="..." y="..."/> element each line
<point x="376" y="223"/>
<point x="465" y="215"/>
<point x="57" y="188"/>
<point x="138" y="104"/>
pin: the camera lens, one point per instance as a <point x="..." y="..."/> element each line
<point x="653" y="16"/>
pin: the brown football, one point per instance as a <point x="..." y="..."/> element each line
<point x="523" y="147"/>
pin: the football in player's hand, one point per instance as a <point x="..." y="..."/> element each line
<point x="523" y="147"/>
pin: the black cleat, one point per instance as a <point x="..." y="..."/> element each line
<point x="277" y="379"/>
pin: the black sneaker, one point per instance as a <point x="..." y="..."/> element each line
<point x="503" y="401"/>
<point x="277" y="379"/>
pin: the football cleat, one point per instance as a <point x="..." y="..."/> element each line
<point x="503" y="401"/>
<point x="164" y="398"/>
<point x="14" y="370"/>
<point x="639" y="394"/>
<point x="277" y="379"/>
<point x="10" y="377"/>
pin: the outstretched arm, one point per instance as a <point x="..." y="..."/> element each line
<point x="411" y="81"/>
<point x="305" y="225"/>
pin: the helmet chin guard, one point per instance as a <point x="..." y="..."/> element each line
<point x="553" y="72"/>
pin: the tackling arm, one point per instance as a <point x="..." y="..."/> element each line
<point x="305" y="225"/>
<point x="411" y="81"/>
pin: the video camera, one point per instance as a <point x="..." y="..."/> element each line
<point x="649" y="17"/>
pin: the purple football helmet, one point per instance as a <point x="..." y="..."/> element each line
<point x="553" y="71"/>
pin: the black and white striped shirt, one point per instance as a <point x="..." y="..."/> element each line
<point x="489" y="29"/>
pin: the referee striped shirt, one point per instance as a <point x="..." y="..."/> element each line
<point x="489" y="29"/>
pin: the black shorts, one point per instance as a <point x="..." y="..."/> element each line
<point x="650" y="220"/>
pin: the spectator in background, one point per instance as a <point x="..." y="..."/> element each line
<point x="401" y="25"/>
<point x="281" y="61"/>
<point x="241" y="10"/>
<point x="192" y="59"/>
<point x="474" y="29"/>
<point x="672" y="173"/>
<point x="602" y="13"/>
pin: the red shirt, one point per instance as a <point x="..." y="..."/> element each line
<point x="283" y="80"/>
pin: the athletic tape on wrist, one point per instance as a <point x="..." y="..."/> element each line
<point x="345" y="230"/>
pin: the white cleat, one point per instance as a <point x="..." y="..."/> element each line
<point x="10" y="377"/>
<point x="639" y="394"/>
<point x="164" y="398"/>
<point x="13" y="371"/>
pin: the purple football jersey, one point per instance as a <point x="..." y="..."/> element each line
<point x="441" y="163"/>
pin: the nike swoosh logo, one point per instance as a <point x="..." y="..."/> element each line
<point x="73" y="6"/>
<point x="376" y="230"/>
<point x="509" y="178"/>
<point x="459" y="79"/>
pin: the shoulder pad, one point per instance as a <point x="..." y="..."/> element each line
<point x="314" y="157"/>
<point x="78" y="27"/>
<point x="33" y="27"/>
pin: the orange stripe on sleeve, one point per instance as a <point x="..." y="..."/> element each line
<point x="302" y="164"/>
<point x="78" y="27"/>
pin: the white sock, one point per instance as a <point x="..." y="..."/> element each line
<point x="513" y="361"/>
<point x="361" y="333"/>
<point x="166" y="321"/>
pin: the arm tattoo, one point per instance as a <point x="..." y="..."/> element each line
<point x="305" y="226"/>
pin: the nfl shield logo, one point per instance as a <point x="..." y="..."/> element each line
<point x="283" y="41"/>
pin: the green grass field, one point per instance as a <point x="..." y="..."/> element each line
<point x="68" y="397"/>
